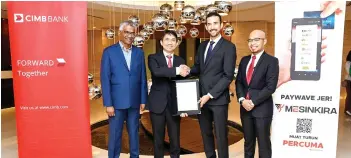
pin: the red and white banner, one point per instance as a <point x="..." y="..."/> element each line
<point x="50" y="65"/>
<point x="308" y="43"/>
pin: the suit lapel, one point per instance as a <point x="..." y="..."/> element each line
<point x="133" y="58"/>
<point x="258" y="65"/>
<point x="162" y="59"/>
<point x="202" y="55"/>
<point x="176" y="62"/>
<point x="214" y="50"/>
<point x="121" y="55"/>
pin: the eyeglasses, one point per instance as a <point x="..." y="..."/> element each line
<point x="254" y="40"/>
<point x="126" y="33"/>
<point x="169" y="39"/>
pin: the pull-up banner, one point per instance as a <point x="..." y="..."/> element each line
<point x="48" y="43"/>
<point x="308" y="43"/>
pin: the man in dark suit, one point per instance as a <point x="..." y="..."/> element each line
<point x="165" y="67"/>
<point x="256" y="82"/>
<point x="124" y="89"/>
<point x="214" y="64"/>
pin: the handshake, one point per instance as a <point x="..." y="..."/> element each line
<point x="184" y="70"/>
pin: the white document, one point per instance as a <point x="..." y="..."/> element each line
<point x="187" y="96"/>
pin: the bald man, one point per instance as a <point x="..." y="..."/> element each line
<point x="256" y="82"/>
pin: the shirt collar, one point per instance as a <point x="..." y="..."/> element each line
<point x="123" y="48"/>
<point x="166" y="54"/>
<point x="216" y="39"/>
<point x="258" y="55"/>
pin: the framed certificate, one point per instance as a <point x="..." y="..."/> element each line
<point x="188" y="95"/>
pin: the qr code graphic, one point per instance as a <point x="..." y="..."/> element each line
<point x="303" y="125"/>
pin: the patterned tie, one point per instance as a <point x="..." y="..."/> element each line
<point x="169" y="61"/>
<point x="209" y="51"/>
<point x="249" y="73"/>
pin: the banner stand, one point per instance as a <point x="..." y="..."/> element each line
<point x="306" y="112"/>
<point x="48" y="43"/>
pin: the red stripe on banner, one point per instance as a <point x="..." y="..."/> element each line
<point x="49" y="63"/>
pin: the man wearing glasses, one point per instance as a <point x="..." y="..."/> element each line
<point x="256" y="82"/>
<point x="124" y="89"/>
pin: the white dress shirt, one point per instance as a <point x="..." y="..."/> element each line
<point x="258" y="56"/>
<point x="256" y="60"/>
<point x="172" y="59"/>
<point x="214" y="44"/>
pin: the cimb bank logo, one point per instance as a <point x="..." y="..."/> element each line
<point x="20" y="18"/>
<point x="61" y="61"/>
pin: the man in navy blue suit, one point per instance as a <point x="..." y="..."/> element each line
<point x="124" y="89"/>
<point x="165" y="67"/>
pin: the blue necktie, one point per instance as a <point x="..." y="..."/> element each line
<point x="209" y="51"/>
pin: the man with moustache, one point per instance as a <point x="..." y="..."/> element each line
<point x="165" y="67"/>
<point x="215" y="65"/>
<point x="256" y="82"/>
<point x="124" y="89"/>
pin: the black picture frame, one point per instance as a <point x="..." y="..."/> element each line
<point x="191" y="112"/>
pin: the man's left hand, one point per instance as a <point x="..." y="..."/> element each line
<point x="142" y="108"/>
<point x="183" y="115"/>
<point x="251" y="105"/>
<point x="204" y="99"/>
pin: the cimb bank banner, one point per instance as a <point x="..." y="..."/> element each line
<point x="309" y="44"/>
<point x="48" y="43"/>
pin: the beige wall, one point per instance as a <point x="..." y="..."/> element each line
<point x="242" y="30"/>
<point x="190" y="51"/>
<point x="149" y="48"/>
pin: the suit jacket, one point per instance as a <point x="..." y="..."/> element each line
<point x="123" y="88"/>
<point x="163" y="88"/>
<point x="217" y="73"/>
<point x="263" y="84"/>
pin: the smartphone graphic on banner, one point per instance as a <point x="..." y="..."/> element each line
<point x="306" y="39"/>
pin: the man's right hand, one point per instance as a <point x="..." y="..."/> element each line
<point x="110" y="111"/>
<point x="184" y="70"/>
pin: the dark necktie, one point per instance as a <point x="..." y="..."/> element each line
<point x="209" y="51"/>
<point x="249" y="73"/>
